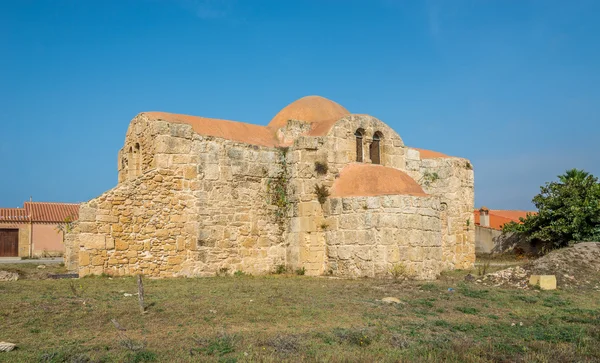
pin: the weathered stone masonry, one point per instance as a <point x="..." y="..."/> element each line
<point x="199" y="196"/>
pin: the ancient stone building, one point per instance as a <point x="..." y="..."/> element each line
<point x="318" y="188"/>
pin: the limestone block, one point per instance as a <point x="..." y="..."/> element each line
<point x="110" y="243"/>
<point x="107" y="218"/>
<point x="166" y="144"/>
<point x="344" y="252"/>
<point x="181" y="130"/>
<point x="84" y="258"/>
<point x="545" y="282"/>
<point x="87" y="213"/>
<point x="412" y="155"/>
<point x="92" y="241"/>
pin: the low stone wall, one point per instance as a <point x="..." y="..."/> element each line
<point x="367" y="236"/>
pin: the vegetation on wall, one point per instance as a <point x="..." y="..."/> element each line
<point x="568" y="211"/>
<point x="322" y="193"/>
<point x="277" y="187"/>
<point x="428" y="178"/>
<point x="321" y="168"/>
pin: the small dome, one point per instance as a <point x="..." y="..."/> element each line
<point x="311" y="109"/>
<point x="365" y="180"/>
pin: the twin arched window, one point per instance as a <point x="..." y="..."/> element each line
<point x="374" y="147"/>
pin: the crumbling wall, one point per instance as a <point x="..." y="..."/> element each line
<point x="452" y="181"/>
<point x="200" y="206"/>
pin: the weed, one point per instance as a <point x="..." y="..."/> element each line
<point x="142" y="356"/>
<point x="223" y="271"/>
<point x="481" y="269"/>
<point x="322" y="193"/>
<point x="469" y="166"/>
<point x="399" y="271"/>
<point x="527" y="299"/>
<point x="219" y="346"/>
<point x="321" y="168"/>
<point x="359" y="337"/>
<point x="467" y="310"/>
<point x="324" y="226"/>
<point x="240" y="273"/>
<point x="429" y="178"/>
<point x="474" y="293"/>
<point x="429" y="287"/>
<point x="280" y="269"/>
<point x="555" y="300"/>
<point x="284" y="344"/>
<point x="301" y="271"/>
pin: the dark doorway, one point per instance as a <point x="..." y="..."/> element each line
<point x="9" y="243"/>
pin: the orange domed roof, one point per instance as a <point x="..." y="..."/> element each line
<point x="313" y="109"/>
<point x="365" y="180"/>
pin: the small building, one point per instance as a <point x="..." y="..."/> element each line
<point x="488" y="228"/>
<point x="36" y="230"/>
<point x="318" y="188"/>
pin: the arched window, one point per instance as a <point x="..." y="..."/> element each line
<point x="359" y="144"/>
<point x="374" y="149"/>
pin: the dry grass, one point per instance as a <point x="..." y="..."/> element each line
<point x="293" y="318"/>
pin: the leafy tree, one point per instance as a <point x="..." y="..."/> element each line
<point x="569" y="210"/>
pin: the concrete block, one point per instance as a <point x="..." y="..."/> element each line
<point x="545" y="282"/>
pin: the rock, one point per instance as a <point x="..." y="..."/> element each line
<point x="127" y="295"/>
<point x="41" y="266"/>
<point x="7" y="347"/>
<point x="391" y="300"/>
<point x="8" y="276"/>
<point x="469" y="278"/>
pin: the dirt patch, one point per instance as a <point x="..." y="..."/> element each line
<point x="574" y="267"/>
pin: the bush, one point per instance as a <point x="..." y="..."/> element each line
<point x="569" y="210"/>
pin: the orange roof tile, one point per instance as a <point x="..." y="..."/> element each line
<point x="362" y="180"/>
<point x="13" y="215"/>
<point x="429" y="154"/>
<point x="40" y="212"/>
<point x="230" y="130"/>
<point x="498" y="218"/>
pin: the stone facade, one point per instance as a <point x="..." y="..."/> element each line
<point x="200" y="196"/>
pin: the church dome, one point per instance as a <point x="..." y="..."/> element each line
<point x="313" y="109"/>
<point x="364" y="180"/>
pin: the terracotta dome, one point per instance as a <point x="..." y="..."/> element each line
<point x="365" y="180"/>
<point x="313" y="109"/>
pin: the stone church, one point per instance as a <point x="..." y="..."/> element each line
<point x="319" y="188"/>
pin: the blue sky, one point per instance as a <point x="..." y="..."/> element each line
<point x="511" y="85"/>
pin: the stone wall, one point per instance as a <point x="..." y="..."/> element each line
<point x="200" y="205"/>
<point x="452" y="181"/>
<point x="193" y="205"/>
<point x="367" y="236"/>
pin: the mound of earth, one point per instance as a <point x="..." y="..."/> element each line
<point x="574" y="267"/>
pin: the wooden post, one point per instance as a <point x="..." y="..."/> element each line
<point x="141" y="294"/>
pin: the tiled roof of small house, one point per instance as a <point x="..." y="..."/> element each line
<point x="498" y="218"/>
<point x="40" y="212"/>
<point x="364" y="180"/>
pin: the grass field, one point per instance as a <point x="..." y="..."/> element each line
<point x="292" y="318"/>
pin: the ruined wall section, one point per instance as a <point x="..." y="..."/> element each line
<point x="241" y="226"/>
<point x="452" y="180"/>
<point x="200" y="206"/>
<point x="368" y="236"/>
